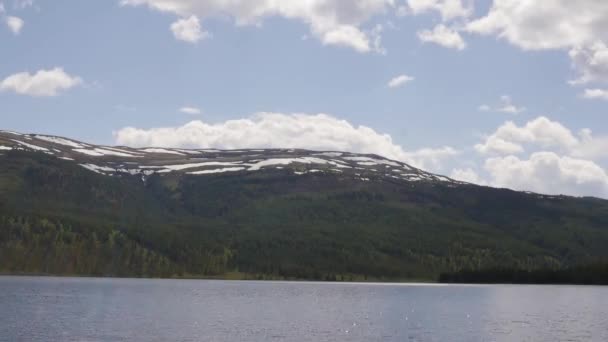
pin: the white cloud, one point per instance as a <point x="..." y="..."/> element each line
<point x="579" y="26"/>
<point x="399" y="81"/>
<point x="190" y="110"/>
<point x="546" y="134"/>
<point x="376" y="38"/>
<point x="591" y="62"/>
<point x="431" y="158"/>
<point x="467" y="175"/>
<point x="348" y="36"/>
<point x="505" y="106"/>
<point x="333" y="22"/>
<point x="549" y="173"/>
<point x="15" y="24"/>
<point x="2" y="9"/>
<point x="547" y="24"/>
<point x="494" y="144"/>
<point x="601" y="94"/>
<point x="590" y="146"/>
<point x="276" y="130"/>
<point x="559" y="161"/>
<point x="509" y="137"/>
<point x="188" y="30"/>
<point x="545" y="172"/>
<point x="449" y="9"/>
<point x="444" y="36"/>
<point x="42" y="83"/>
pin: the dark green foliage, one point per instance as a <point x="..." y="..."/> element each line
<point x="593" y="274"/>
<point x="56" y="217"/>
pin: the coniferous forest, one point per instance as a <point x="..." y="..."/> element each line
<point x="59" y="218"/>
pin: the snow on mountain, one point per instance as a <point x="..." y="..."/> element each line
<point x="117" y="160"/>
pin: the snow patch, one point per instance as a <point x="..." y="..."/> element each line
<point x="188" y="151"/>
<point x="121" y="150"/>
<point x="330" y="154"/>
<point x="97" y="168"/>
<point x="286" y="161"/>
<point x="227" y="169"/>
<point x="195" y="165"/>
<point x="60" y="141"/>
<point x="108" y="152"/>
<point x="88" y="152"/>
<point x="11" y="132"/>
<point x="373" y="160"/>
<point x="161" y="150"/>
<point x="33" y="147"/>
<point x="100" y="152"/>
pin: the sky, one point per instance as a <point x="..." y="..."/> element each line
<point x="505" y="93"/>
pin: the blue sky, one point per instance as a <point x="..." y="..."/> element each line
<point x="108" y="65"/>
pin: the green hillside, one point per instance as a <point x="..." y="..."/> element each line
<point x="59" y="218"/>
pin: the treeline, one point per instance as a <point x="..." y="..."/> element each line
<point x="594" y="274"/>
<point x="30" y="245"/>
<point x="43" y="247"/>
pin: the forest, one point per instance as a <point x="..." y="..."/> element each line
<point x="58" y="218"/>
<point x="591" y="274"/>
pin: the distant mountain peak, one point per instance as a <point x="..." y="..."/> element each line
<point x="112" y="160"/>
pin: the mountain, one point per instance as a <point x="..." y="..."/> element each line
<point x="143" y="162"/>
<point x="68" y="207"/>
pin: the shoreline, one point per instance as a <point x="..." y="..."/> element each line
<point x="369" y="282"/>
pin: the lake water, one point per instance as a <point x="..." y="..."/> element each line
<point x="90" y="309"/>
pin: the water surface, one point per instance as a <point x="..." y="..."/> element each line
<point x="91" y="309"/>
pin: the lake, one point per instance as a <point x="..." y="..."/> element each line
<point x="93" y="309"/>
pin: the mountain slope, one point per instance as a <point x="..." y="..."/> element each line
<point x="67" y="207"/>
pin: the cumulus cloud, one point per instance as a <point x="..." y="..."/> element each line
<point x="277" y="130"/>
<point x="467" y="175"/>
<point x="15" y="24"/>
<point x="190" y="110"/>
<point x="505" y="106"/>
<point x="431" y="158"/>
<point x="547" y="135"/>
<point x="449" y="9"/>
<point x="509" y="137"/>
<point x="601" y="94"/>
<point x="444" y="36"/>
<point x="549" y="173"/>
<point x="591" y="62"/>
<point x="333" y="22"/>
<point x="558" y="160"/>
<point x="188" y="30"/>
<point x="42" y="83"/>
<point x="578" y="26"/>
<point x="550" y="24"/>
<point x="495" y="144"/>
<point x="399" y="81"/>
<point x="590" y="146"/>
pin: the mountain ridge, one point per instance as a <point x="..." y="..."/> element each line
<point x="87" y="154"/>
<point x="84" y="209"/>
<point x="148" y="160"/>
